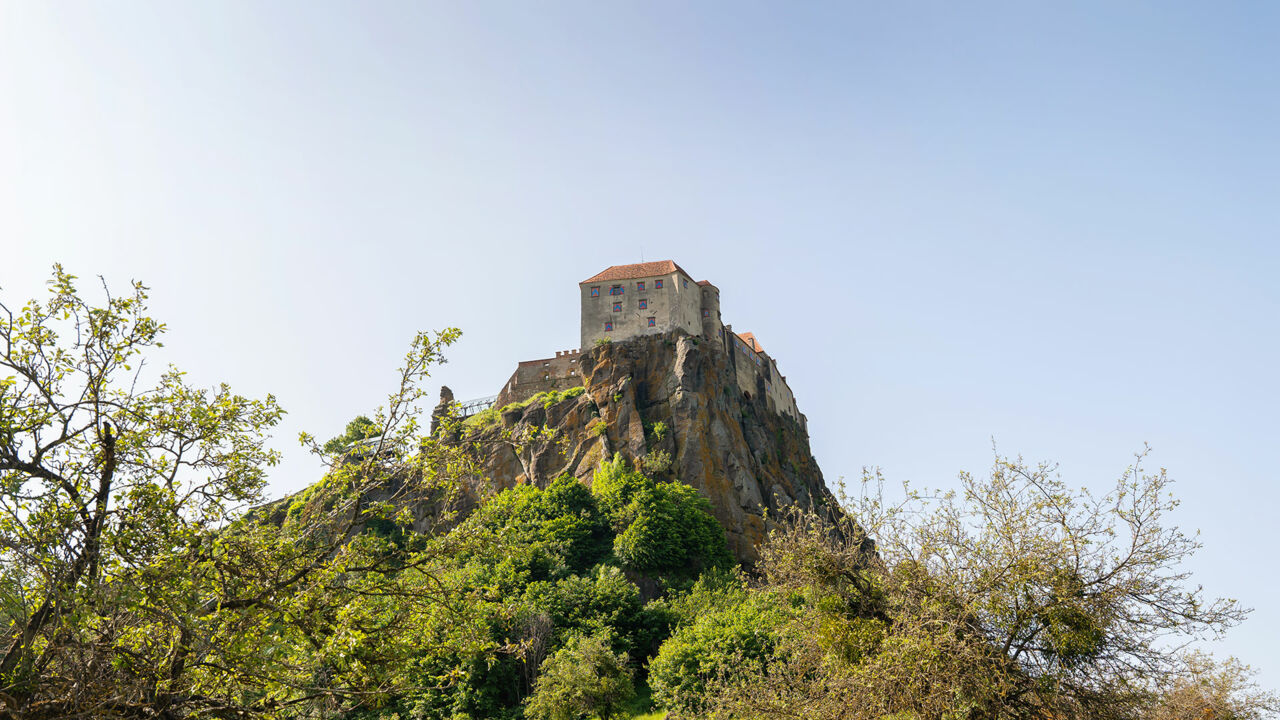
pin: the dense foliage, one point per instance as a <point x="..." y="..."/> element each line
<point x="142" y="576"/>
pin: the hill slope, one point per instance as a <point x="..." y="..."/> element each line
<point x="670" y="404"/>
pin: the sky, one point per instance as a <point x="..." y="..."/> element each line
<point x="1049" y="229"/>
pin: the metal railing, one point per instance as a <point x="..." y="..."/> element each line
<point x="467" y="408"/>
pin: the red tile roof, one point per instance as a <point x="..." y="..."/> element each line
<point x="705" y="283"/>
<point x="750" y="340"/>
<point x="637" y="270"/>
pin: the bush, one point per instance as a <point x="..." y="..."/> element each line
<point x="662" y="527"/>
<point x="604" y="601"/>
<point x="658" y="430"/>
<point x="583" y="680"/>
<point x="564" y="519"/>
<point x="725" y="638"/>
<point x="656" y="462"/>
<point x="360" y="428"/>
<point x="554" y="396"/>
<point x="597" y="428"/>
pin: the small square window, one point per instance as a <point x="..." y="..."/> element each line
<point x="652" y="321"/>
<point x="617" y="307"/>
<point x="706" y="312"/>
<point x="608" y="327"/>
<point x="640" y="286"/>
<point x="657" y="284"/>
<point x="686" y="283"/>
<point x="644" y="304"/>
<point x="595" y="291"/>
<point x="616" y="290"/>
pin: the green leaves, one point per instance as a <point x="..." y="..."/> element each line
<point x="662" y="527"/>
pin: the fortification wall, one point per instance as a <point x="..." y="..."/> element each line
<point x="534" y="376"/>
<point x="757" y="375"/>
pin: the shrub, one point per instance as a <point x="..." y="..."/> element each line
<point x="360" y="428"/>
<point x="585" y="604"/>
<point x="664" y="527"/>
<point x="725" y="638"/>
<point x="584" y="679"/>
<point x="656" y="462"/>
<point x="597" y="428"/>
<point x="658" y="430"/>
<point x="564" y="519"/>
<point x="551" y="398"/>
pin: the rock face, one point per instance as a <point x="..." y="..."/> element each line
<point x="670" y="403"/>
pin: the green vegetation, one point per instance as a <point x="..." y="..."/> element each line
<point x="136" y="583"/>
<point x="583" y="679"/>
<point x="656" y="462"/>
<point x="491" y="417"/>
<point x="658" y="430"/>
<point x="361" y="428"/>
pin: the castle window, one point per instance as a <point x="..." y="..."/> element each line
<point x="617" y="307"/>
<point x="657" y="284"/>
<point x="608" y="327"/>
<point x="644" y="304"/>
<point x="595" y="291"/>
<point x="640" y="286"/>
<point x="686" y="283"/>
<point x="616" y="290"/>
<point x="652" y="321"/>
<point x="706" y="312"/>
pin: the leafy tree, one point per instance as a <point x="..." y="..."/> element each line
<point x="105" y="476"/>
<point x="1211" y="690"/>
<point x="736" y="631"/>
<point x="584" y="680"/>
<point x="564" y="516"/>
<point x="1019" y="597"/>
<point x="360" y="428"/>
<point x="134" y="584"/>
<point x="602" y="601"/>
<point x="662" y="527"/>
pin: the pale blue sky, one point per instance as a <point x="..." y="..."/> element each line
<point x="948" y="221"/>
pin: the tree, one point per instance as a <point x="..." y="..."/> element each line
<point x="103" y="473"/>
<point x="662" y="527"/>
<point x="132" y="581"/>
<point x="1211" y="690"/>
<point x="1018" y="597"/>
<point x="360" y="428"/>
<point x="584" y="680"/>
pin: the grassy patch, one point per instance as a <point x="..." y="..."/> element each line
<point x="486" y="419"/>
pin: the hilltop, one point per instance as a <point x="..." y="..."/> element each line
<point x="668" y="403"/>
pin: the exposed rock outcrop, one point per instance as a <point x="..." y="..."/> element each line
<point x="671" y="403"/>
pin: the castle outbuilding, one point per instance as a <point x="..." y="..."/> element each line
<point x="651" y="298"/>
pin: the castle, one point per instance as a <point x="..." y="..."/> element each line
<point x="627" y="301"/>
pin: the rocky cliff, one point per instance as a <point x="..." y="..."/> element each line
<point x="671" y="404"/>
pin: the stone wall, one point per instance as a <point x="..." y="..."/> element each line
<point x="534" y="376"/>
